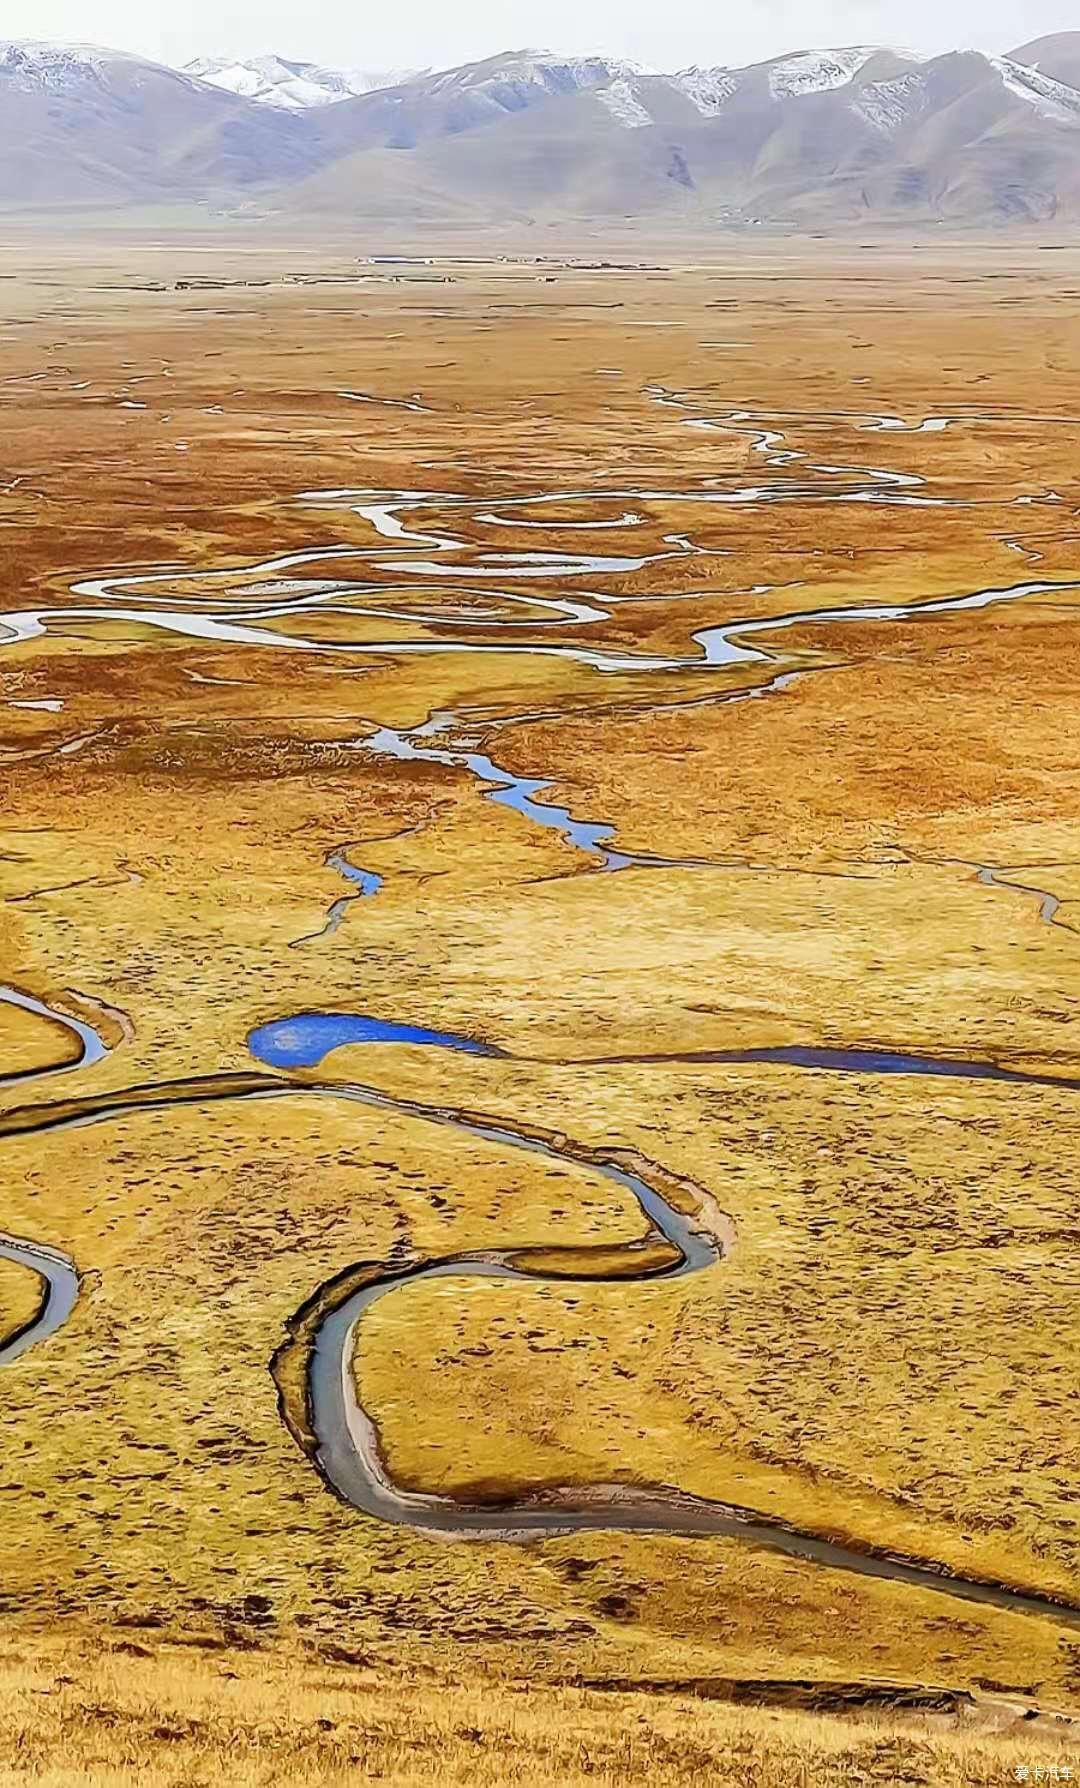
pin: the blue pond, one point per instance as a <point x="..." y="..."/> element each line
<point x="365" y="880"/>
<point x="306" y="1038"/>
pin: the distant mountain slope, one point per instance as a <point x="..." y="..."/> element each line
<point x="290" y="86"/>
<point x="814" y="139"/>
<point x="821" y="137"/>
<point x="80" y="125"/>
<point x="456" y="100"/>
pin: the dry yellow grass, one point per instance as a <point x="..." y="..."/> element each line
<point x="20" y="1294"/>
<point x="260" y="1719"/>
<point x="887" y="1356"/>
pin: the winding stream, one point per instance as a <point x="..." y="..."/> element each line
<point x="684" y="1231"/>
<point x="55" y="1271"/>
<point x="364" y="883"/>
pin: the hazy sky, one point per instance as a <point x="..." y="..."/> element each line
<point x="665" y="33"/>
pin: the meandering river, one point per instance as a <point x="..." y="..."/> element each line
<point x="683" y="1230"/>
<point x="54" y="1271"/>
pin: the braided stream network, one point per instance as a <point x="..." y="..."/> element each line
<point x="683" y="1230"/>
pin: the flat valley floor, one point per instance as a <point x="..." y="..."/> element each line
<point x="539" y="1089"/>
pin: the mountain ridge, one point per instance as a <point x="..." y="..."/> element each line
<point x="289" y="85"/>
<point x="810" y="139"/>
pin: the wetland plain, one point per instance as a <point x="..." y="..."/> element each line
<point x="538" y="1088"/>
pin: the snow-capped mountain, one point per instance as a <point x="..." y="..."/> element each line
<point x="709" y="89"/>
<point x="520" y="75"/>
<point x="1050" y="98"/>
<point x="632" y="96"/>
<point x="291" y="86"/>
<point x="81" y="124"/>
<point x="816" y="138"/>
<point x="822" y="71"/>
<point x="518" y="78"/>
<point x="28" y="66"/>
<point x="523" y="73"/>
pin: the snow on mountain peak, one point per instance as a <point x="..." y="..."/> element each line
<point x="585" y="71"/>
<point x="32" y="65"/>
<point x="289" y="86"/>
<point x="888" y="105"/>
<point x="820" y="71"/>
<point x="544" y="69"/>
<point x="1051" y="99"/>
<point x="624" y="105"/>
<point x="709" y="89"/>
<point x="297" y="86"/>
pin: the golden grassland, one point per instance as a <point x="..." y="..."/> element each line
<point x="18" y="1297"/>
<point x="890" y="1352"/>
<point x="167" y="1716"/>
